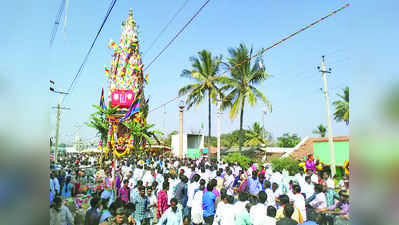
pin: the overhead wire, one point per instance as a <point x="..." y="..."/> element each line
<point x="264" y="50"/>
<point x="175" y="37"/>
<point x="71" y="86"/>
<point x="166" y="27"/>
<point x="57" y="22"/>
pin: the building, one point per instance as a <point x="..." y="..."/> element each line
<point x="275" y="152"/>
<point x="320" y="148"/>
<point x="193" y="144"/>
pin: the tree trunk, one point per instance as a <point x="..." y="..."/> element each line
<point x="241" y="122"/>
<point x="209" y="123"/>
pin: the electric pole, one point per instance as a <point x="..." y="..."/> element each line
<point x="59" y="108"/>
<point x="165" y="135"/>
<point x="181" y="109"/>
<point x="329" y="126"/>
<point x="219" y="114"/>
<point x="263" y="111"/>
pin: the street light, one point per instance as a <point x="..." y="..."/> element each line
<point x="52" y="88"/>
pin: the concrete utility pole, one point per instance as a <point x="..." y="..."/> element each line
<point x="57" y="132"/>
<point x="263" y="126"/>
<point x="329" y="126"/>
<point x="181" y="109"/>
<point x="164" y="119"/>
<point x="263" y="111"/>
<point x="58" y="107"/>
<point x="219" y="115"/>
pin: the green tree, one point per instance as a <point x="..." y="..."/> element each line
<point x="232" y="139"/>
<point x="244" y="77"/>
<point x="321" y="130"/>
<point x="255" y="136"/>
<point x="286" y="163"/>
<point x="204" y="69"/>
<point x="168" y="139"/>
<point x="142" y="134"/>
<point x="288" y="141"/>
<point x="242" y="160"/>
<point x="99" y="121"/>
<point x="213" y="141"/>
<point x="342" y="107"/>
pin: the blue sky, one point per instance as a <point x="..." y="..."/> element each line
<point x="293" y="90"/>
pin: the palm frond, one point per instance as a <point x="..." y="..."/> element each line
<point x="236" y="106"/>
<point x="262" y="97"/>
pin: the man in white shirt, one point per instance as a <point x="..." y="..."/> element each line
<point x="299" y="201"/>
<point x="307" y="187"/>
<point x="314" y="177"/>
<point x="160" y="179"/>
<point x="129" y="177"/>
<point x="224" y="210"/>
<point x="147" y="178"/>
<point x="176" y="164"/>
<point x="228" y="183"/>
<point x="172" y="185"/>
<point x="237" y="170"/>
<point x="220" y="207"/>
<point x="173" y="215"/>
<point x="240" y="205"/>
<point x="269" y="173"/>
<point x="300" y="176"/>
<point x="213" y="173"/>
<point x="137" y="173"/>
<point x="257" y="212"/>
<point x="204" y="174"/>
<point x="276" y="177"/>
<point x="276" y="190"/>
<point x="271" y="201"/>
<point x="191" y="187"/>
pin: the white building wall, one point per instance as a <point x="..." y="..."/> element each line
<point x="175" y="145"/>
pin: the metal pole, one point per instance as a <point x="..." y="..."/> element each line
<point x="263" y="111"/>
<point x="219" y="113"/>
<point x="263" y="127"/>
<point x="181" y="108"/>
<point x="57" y="133"/>
<point x="329" y="126"/>
<point x="164" y="119"/>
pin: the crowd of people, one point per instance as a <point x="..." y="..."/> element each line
<point x="166" y="190"/>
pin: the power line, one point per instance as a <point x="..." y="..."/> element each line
<point x="264" y="50"/>
<point x="166" y="26"/>
<point x="287" y="37"/>
<point x="91" y="47"/>
<point x="57" y="22"/>
<point x="164" y="104"/>
<point x="178" y="33"/>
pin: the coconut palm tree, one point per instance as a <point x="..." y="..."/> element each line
<point x="255" y="136"/>
<point x="342" y="107"/>
<point x="204" y="69"/>
<point x="245" y="75"/>
<point x="321" y="130"/>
